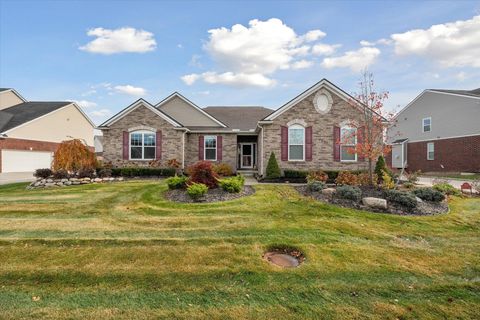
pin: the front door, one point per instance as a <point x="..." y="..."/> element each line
<point x="246" y="155"/>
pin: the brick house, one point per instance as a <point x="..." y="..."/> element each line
<point x="30" y="131"/>
<point x="304" y="133"/>
<point x="439" y="131"/>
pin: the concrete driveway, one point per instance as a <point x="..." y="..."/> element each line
<point x="13" y="177"/>
<point x="428" y="181"/>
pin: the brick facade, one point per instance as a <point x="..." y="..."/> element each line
<point x="229" y="148"/>
<point x="141" y="117"/>
<point x="26" y="145"/>
<point x="323" y="141"/>
<point x="451" y="155"/>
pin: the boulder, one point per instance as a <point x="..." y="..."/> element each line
<point x="120" y="179"/>
<point x="50" y="184"/>
<point x="328" y="191"/>
<point x="98" y="180"/>
<point x="73" y="179"/>
<point x="64" y="180"/>
<point x="375" y="202"/>
<point x="75" y="182"/>
<point x="418" y="200"/>
<point x="49" y="181"/>
<point x="67" y="183"/>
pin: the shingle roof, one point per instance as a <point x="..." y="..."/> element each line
<point x="4" y="89"/>
<point x="21" y="113"/>
<point x="242" y="118"/>
<point x="471" y="93"/>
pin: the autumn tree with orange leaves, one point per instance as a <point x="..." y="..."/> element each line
<point x="72" y="156"/>
<point x="373" y="124"/>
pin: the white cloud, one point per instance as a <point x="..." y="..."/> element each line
<point x="249" y="55"/>
<point x="365" y="43"/>
<point x="131" y="90"/>
<point x="101" y="113"/>
<point x="323" y="49"/>
<point x="302" y="64"/>
<point x="119" y="40"/>
<point x="85" y="103"/>
<point x="461" y="76"/>
<point x="453" y="44"/>
<point x="355" y="60"/>
<point x="195" y="61"/>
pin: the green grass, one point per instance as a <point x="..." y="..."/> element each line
<point x="121" y="251"/>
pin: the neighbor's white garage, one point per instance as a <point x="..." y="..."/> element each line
<point x="25" y="161"/>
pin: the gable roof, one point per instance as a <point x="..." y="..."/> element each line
<point x="136" y="104"/>
<point x="25" y="112"/>
<point x="241" y="118"/>
<point x="193" y="105"/>
<point x="15" y="92"/>
<point x="470" y="93"/>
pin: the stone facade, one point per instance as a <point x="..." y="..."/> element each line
<point x="322" y="133"/>
<point x="141" y="117"/>
<point x="229" y="148"/>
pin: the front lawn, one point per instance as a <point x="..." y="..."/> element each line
<point x="120" y="251"/>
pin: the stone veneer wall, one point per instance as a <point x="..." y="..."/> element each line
<point x="322" y="124"/>
<point x="229" y="146"/>
<point x="141" y="116"/>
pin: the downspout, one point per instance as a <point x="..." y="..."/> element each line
<point x="261" y="148"/>
<point x="183" y="149"/>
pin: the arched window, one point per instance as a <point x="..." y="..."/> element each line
<point x="296" y="143"/>
<point x="348" y="140"/>
<point x="142" y="145"/>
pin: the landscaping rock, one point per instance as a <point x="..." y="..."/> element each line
<point x="328" y="191"/>
<point x="418" y="200"/>
<point x="49" y="181"/>
<point x="375" y="202"/>
<point x="50" y="184"/>
<point x="98" y="180"/>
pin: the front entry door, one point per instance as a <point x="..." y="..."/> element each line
<point x="246" y="155"/>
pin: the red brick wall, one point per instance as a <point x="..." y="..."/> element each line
<point x="22" y="144"/>
<point x="456" y="154"/>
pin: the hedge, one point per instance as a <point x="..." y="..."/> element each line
<point x="143" y="172"/>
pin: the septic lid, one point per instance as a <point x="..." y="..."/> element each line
<point x="282" y="259"/>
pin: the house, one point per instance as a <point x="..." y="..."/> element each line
<point x="304" y="133"/>
<point x="30" y="131"/>
<point x="439" y="131"/>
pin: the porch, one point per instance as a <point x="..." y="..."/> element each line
<point x="247" y="150"/>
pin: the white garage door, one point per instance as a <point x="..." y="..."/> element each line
<point x="25" y="161"/>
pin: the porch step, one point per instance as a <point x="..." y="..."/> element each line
<point x="247" y="173"/>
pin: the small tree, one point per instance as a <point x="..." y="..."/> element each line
<point x="380" y="166"/>
<point x="373" y="124"/>
<point x="73" y="155"/>
<point x="273" y="170"/>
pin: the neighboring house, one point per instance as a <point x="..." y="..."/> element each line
<point x="30" y="131"/>
<point x="438" y="131"/>
<point x="304" y="133"/>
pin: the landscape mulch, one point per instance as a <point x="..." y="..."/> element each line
<point x="213" y="195"/>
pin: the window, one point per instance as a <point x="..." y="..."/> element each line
<point x="296" y="143"/>
<point x="348" y="139"/>
<point x="210" y="147"/>
<point x="427" y="124"/>
<point x="430" y="151"/>
<point x="142" y="145"/>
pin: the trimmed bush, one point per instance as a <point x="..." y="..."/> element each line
<point x="273" y="170"/>
<point x="233" y="184"/>
<point x="202" y="172"/>
<point x="317" y="176"/>
<point x="404" y="199"/>
<point x="295" y="174"/>
<point x="347" y="178"/>
<point x="61" y="174"/>
<point x="387" y="181"/>
<point x="143" y="172"/>
<point x="86" y="173"/>
<point x="43" y="173"/>
<point x="447" y="189"/>
<point x="197" y="190"/>
<point x="104" y="172"/>
<point x="316" y="186"/>
<point x="380" y="166"/>
<point x="364" y="179"/>
<point x="349" y="193"/>
<point x="177" y="182"/>
<point x="223" y="169"/>
<point x="429" y="194"/>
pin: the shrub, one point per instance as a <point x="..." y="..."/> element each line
<point x="429" y="194"/>
<point x="387" y="181"/>
<point x="143" y="172"/>
<point x="202" y="172"/>
<point x="412" y="177"/>
<point x="104" y="172"/>
<point x="73" y="155"/>
<point x="61" y="174"/>
<point x="316" y="186"/>
<point x="332" y="175"/>
<point x="233" y="184"/>
<point x="408" y="185"/>
<point x="177" y="182"/>
<point x="43" y="173"/>
<point x="86" y="173"/>
<point x="380" y="166"/>
<point x="273" y="170"/>
<point x="364" y="179"/>
<point x="347" y="178"/>
<point x="173" y="163"/>
<point x="447" y="189"/>
<point x="349" y="192"/>
<point x="317" y="176"/>
<point x="197" y="190"/>
<point x="223" y="169"/>
<point x="294" y="174"/>
<point x="404" y="199"/>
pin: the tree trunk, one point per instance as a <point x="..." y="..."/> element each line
<point x="370" y="171"/>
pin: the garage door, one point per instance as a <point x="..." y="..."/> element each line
<point x="25" y="161"/>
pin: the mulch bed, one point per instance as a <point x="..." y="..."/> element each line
<point x="213" y="195"/>
<point x="422" y="209"/>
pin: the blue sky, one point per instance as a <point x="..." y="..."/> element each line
<point x="106" y="54"/>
